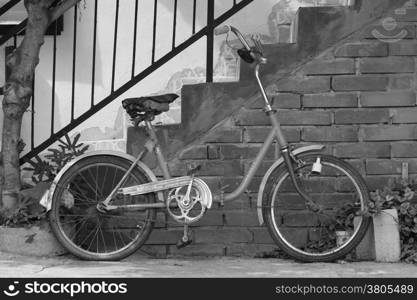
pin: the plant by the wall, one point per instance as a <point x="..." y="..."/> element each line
<point x="46" y="170"/>
<point x="402" y="197"/>
<point x="23" y="215"/>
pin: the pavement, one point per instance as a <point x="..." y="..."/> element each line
<point x="14" y="266"/>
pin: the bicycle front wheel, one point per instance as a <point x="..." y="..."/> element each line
<point x="317" y="235"/>
<point x="85" y="231"/>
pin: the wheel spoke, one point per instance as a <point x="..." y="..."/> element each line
<point x="88" y="232"/>
<point x="309" y="234"/>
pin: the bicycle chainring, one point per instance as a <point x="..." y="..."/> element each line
<point x="188" y="210"/>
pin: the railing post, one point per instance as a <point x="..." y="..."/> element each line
<point x="210" y="40"/>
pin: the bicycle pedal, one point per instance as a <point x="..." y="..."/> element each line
<point x="182" y="244"/>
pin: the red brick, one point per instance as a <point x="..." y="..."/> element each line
<point x="228" y="184"/>
<point x="258" y="118"/>
<point x="176" y="168"/>
<point x="362" y="49"/>
<point x="223" y="236"/>
<point x="251" y="250"/>
<point x="305" y="117"/>
<point x="404" y="115"/>
<point x="389" y="133"/>
<point x="356" y="116"/>
<point x="209" y="250"/>
<point x="358" y="165"/>
<point x="241" y="218"/>
<point x="213" y="217"/>
<point x="359" y="83"/>
<point x="265" y="165"/>
<point x="386" y="65"/>
<point x="375" y="182"/>
<point x="304" y="85"/>
<point x="403" y="48"/>
<point x="220" y="168"/>
<point x="401" y="82"/>
<point x="206" y="168"/>
<point x="300" y="219"/>
<point x="387" y="99"/>
<point x="297" y="236"/>
<point x="383" y="167"/>
<point x="280" y="101"/>
<point x="330" y="134"/>
<point x="261" y="236"/>
<point x="334" y="199"/>
<point x="329" y="67"/>
<point x="288" y="101"/>
<point x="154" y="251"/>
<point x="404" y="149"/>
<point x="259" y="135"/>
<point x="245" y="201"/>
<point x="164" y="237"/>
<point x="195" y="152"/>
<point x="242" y="151"/>
<point x="330" y="100"/>
<point x="224" y="135"/>
<point x="412" y="165"/>
<point x="252" y="118"/>
<point x="213" y="152"/>
<point x="360" y="150"/>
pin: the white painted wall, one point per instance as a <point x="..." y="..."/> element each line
<point x="110" y="123"/>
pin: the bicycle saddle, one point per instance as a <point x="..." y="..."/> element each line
<point x="140" y="108"/>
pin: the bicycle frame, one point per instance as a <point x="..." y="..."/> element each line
<point x="152" y="146"/>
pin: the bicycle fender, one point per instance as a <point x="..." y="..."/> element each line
<point x="276" y="165"/>
<point x="46" y="200"/>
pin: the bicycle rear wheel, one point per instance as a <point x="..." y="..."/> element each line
<point x="88" y="233"/>
<point x="334" y="230"/>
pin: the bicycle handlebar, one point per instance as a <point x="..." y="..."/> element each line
<point x="226" y="29"/>
<point x="222" y="30"/>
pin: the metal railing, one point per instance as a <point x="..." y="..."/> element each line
<point x="155" y="63"/>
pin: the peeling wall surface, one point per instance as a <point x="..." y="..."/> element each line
<point x="354" y="92"/>
<point x="106" y="130"/>
<point x="348" y="83"/>
<point x="187" y="68"/>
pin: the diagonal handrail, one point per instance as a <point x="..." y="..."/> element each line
<point x="8" y="6"/>
<point x="176" y="50"/>
<point x="15" y="29"/>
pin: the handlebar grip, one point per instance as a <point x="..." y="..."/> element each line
<point x="222" y="30"/>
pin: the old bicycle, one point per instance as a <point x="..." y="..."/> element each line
<point x="103" y="205"/>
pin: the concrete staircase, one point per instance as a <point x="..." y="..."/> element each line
<point x="206" y="105"/>
<point x="338" y="85"/>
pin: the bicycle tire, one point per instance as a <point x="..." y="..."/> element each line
<point x="278" y="177"/>
<point x="56" y="218"/>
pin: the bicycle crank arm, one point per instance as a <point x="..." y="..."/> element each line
<point x="154" y="187"/>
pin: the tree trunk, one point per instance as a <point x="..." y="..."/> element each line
<point x="17" y="95"/>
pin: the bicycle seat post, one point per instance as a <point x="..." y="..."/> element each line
<point x="157" y="149"/>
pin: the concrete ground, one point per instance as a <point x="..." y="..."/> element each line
<point x="66" y="266"/>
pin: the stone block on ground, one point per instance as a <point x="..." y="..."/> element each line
<point x="382" y="239"/>
<point x="37" y="241"/>
<point x="387" y="236"/>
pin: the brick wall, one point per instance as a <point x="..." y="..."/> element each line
<point x="358" y="98"/>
